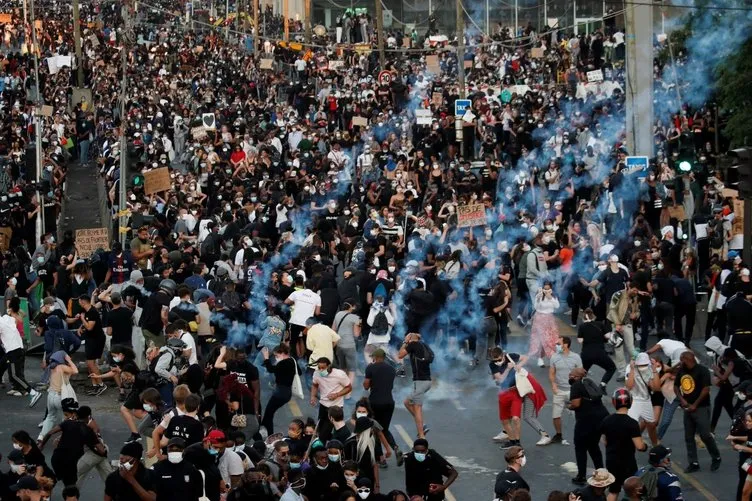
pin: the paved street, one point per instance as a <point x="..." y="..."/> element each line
<point x="463" y="416"/>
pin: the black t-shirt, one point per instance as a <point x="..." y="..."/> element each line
<point x="246" y="373"/>
<point x="589" y="409"/>
<point x="419" y="475"/>
<point x="151" y="319"/>
<point x="663" y="290"/>
<point x="382" y="376"/>
<point x="93" y="316"/>
<point x="186" y="427"/>
<point x="75" y="436"/>
<point x="120" y="490"/>
<point x="120" y="321"/>
<point x="220" y="319"/>
<point x="421" y="368"/>
<point x="612" y="282"/>
<point x="691" y="382"/>
<point x="178" y="481"/>
<point x="591" y="334"/>
<point x="508" y="481"/>
<point x="619" y="430"/>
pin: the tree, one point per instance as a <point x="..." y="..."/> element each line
<point x="733" y="84"/>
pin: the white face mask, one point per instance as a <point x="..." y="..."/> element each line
<point x="148" y="408"/>
<point x="350" y="478"/>
<point x="361" y="414"/>
<point x="16" y="446"/>
<point x="126" y="466"/>
<point x="739" y="395"/>
<point x="523" y="461"/>
<point x="174" y="457"/>
<point x="602" y="267"/>
<point x="364" y="494"/>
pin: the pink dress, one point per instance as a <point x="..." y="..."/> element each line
<point x="544" y="331"/>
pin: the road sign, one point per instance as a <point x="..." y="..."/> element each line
<point x="461" y="106"/>
<point x="638" y="166"/>
<point x="385" y="77"/>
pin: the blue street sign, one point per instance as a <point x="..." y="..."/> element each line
<point x="638" y="166"/>
<point x="461" y="106"/>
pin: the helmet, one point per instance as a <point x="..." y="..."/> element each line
<point x="176" y="344"/>
<point x="621" y="398"/>
<point x="168" y="285"/>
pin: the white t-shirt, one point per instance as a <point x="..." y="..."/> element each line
<point x="230" y="465"/>
<point x="304" y="306"/>
<point x="673" y="349"/>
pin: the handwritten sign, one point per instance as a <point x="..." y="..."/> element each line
<point x="468" y="64"/>
<point x="46" y="110"/>
<point x="266" y="64"/>
<point x="360" y="121"/>
<point x="677" y="211"/>
<point x="471" y="215"/>
<point x="423" y="117"/>
<point x="432" y="64"/>
<point x="536" y="52"/>
<point x="199" y="133"/>
<point x="737" y="226"/>
<point x="595" y="76"/>
<point x="90" y="239"/>
<point x="157" y="180"/>
<point x="729" y="193"/>
<point x="437" y="98"/>
<point x="336" y="65"/>
<point x="6" y="232"/>
<point x="5" y="18"/>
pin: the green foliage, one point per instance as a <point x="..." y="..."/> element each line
<point x="733" y="88"/>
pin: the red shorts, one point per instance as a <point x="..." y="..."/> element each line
<point x="510" y="404"/>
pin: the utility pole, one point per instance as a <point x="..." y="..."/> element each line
<point x="38" y="124"/>
<point x="256" y="31"/>
<point x="307" y="21"/>
<point x="77" y="40"/>
<point x="460" y="33"/>
<point x="125" y="41"/>
<point x="639" y="90"/>
<point x="380" y="34"/>
<point x="286" y="20"/>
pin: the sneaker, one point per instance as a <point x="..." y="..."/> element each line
<point x="556" y="439"/>
<point x="620" y="379"/>
<point x="574" y="326"/>
<point x="509" y="443"/>
<point x="15" y="393"/>
<point x="263" y="432"/>
<point x="500" y="437"/>
<point x="134" y="437"/>
<point x="541" y="363"/>
<point x="693" y="467"/>
<point x="544" y="440"/>
<point x="578" y="480"/>
<point x="41" y="424"/>
<point x="400" y="457"/>
<point x="98" y="390"/>
<point x="426" y="429"/>
<point x="35" y="396"/>
<point x="604" y="389"/>
<point x="715" y="464"/>
<point x="520" y="321"/>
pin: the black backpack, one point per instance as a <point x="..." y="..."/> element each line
<point x="380" y="325"/>
<point x="716" y="234"/>
<point x="428" y="355"/>
<point x="594" y="391"/>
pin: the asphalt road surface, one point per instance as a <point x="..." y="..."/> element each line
<point x="462" y="412"/>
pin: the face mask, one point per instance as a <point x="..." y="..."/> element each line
<point x="571" y="381"/>
<point x="559" y="348"/>
<point x="148" y="408"/>
<point x="350" y="478"/>
<point x="16" y="446"/>
<point x="294" y="466"/>
<point x="602" y="267"/>
<point x="419" y="456"/>
<point x="126" y="466"/>
<point x="324" y="373"/>
<point x="361" y="414"/>
<point x="322" y="467"/>
<point x="372" y="271"/>
<point x="741" y="396"/>
<point x="117" y="359"/>
<point x="546" y="206"/>
<point x="79" y="278"/>
<point x="364" y="493"/>
<point x="174" y="457"/>
<point x="523" y="460"/>
<point x="213" y="451"/>
<point x="391" y="269"/>
<point x="334" y="458"/>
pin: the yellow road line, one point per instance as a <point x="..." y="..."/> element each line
<point x="295" y="408"/>
<point x="678" y="470"/>
<point x="409" y="442"/>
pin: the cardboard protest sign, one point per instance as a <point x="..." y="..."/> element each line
<point x="471" y="215"/>
<point x="595" y="76"/>
<point x="90" y="239"/>
<point x="677" y="211"/>
<point x="266" y="64"/>
<point x="199" y="133"/>
<point x="437" y="98"/>
<point x="423" y="117"/>
<point x="157" y="180"/>
<point x="536" y="52"/>
<point x="737" y="225"/>
<point x="729" y="193"/>
<point x="432" y="64"/>
<point x="336" y="65"/>
<point x="468" y="64"/>
<point x="5" y="18"/>
<point x="46" y="111"/>
<point x="6" y="232"/>
<point x="94" y="40"/>
<point x="360" y="121"/>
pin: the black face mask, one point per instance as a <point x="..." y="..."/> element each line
<point x="572" y="381"/>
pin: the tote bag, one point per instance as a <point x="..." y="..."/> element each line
<point x="297" y="386"/>
<point x="524" y="387"/>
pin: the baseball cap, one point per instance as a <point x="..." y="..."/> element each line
<point x="176" y="442"/>
<point x="136" y="275"/>
<point x="49" y="301"/>
<point x="16" y="456"/>
<point x="215" y="437"/>
<point x="25" y="482"/>
<point x="658" y="454"/>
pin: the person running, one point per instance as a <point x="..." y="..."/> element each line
<point x="421" y="357"/>
<point x="13" y="358"/>
<point x="591" y="334"/>
<point x="93" y="333"/>
<point x="329" y="388"/>
<point x="425" y="471"/>
<point x="379" y="382"/>
<point x="284" y="370"/>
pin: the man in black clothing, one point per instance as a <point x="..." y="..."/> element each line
<point x="510" y="479"/>
<point x="120" y="322"/>
<point x="379" y="380"/>
<point x="622" y="437"/>
<point x="132" y="481"/>
<point x="420" y="362"/>
<point x="187" y="426"/>
<point x="326" y="480"/>
<point x="425" y="470"/>
<point x="177" y="479"/>
<point x="685" y="306"/>
<point x="156" y="312"/>
<point x="93" y="333"/>
<point x="589" y="412"/>
<point x="692" y="386"/>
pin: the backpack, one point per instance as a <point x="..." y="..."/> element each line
<point x="650" y="480"/>
<point x="594" y="391"/>
<point x="380" y="325"/>
<point x="522" y="266"/>
<point x="716" y="234"/>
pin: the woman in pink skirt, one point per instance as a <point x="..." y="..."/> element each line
<point x="544" y="331"/>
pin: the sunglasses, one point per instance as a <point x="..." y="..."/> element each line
<point x="364" y="490"/>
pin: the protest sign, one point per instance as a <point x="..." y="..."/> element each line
<point x="90" y="239"/>
<point x="536" y="52"/>
<point x="423" y="117"/>
<point x="6" y="233"/>
<point x="360" y="121"/>
<point x="437" y="98"/>
<point x="677" y="211"/>
<point x="199" y="133"/>
<point x="432" y="64"/>
<point x="157" y="180"/>
<point x="266" y="64"/>
<point x="737" y="225"/>
<point x="595" y="76"/>
<point x="471" y="215"/>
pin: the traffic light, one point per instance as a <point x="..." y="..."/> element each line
<point x="138" y="181"/>
<point x="742" y="158"/>
<point x="686" y="158"/>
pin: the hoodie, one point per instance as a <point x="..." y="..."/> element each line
<point x="57" y="337"/>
